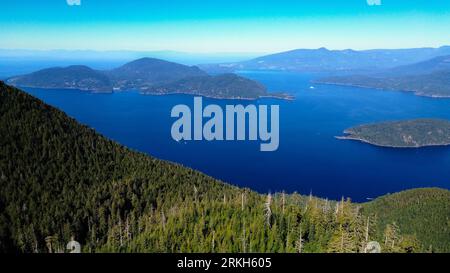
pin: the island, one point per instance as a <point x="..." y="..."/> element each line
<point x="148" y="76"/>
<point x="429" y="78"/>
<point x="402" y="134"/>
<point x="78" y="77"/>
<point x="223" y="86"/>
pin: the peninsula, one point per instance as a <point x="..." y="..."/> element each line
<point x="402" y="134"/>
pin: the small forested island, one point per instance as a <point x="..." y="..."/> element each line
<point x="402" y="134"/>
<point x="223" y="86"/>
<point x="149" y="76"/>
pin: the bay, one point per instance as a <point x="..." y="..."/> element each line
<point x="309" y="158"/>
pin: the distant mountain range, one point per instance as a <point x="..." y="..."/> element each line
<point x="429" y="78"/>
<point x="147" y="75"/>
<point x="424" y="71"/>
<point x="324" y="60"/>
<point x="89" y="56"/>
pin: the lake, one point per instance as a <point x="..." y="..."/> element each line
<point x="309" y="158"/>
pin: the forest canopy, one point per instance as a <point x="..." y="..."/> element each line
<point x="61" y="180"/>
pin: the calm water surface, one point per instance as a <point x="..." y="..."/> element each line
<point x="309" y="157"/>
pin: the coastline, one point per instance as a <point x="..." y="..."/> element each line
<point x="287" y="97"/>
<point x="93" y="91"/>
<point x="414" y="92"/>
<point x="355" y="138"/>
<point x="281" y="97"/>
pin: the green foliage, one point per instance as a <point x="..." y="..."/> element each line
<point x="59" y="180"/>
<point x="75" y="76"/>
<point x="407" y="133"/>
<point x="423" y="213"/>
<point x="220" y="86"/>
<point x="148" y="75"/>
<point x="430" y="84"/>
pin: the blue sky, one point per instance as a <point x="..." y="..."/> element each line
<point x="223" y="26"/>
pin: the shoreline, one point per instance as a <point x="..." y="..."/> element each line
<point x="416" y="93"/>
<point x="286" y="97"/>
<point x="355" y="138"/>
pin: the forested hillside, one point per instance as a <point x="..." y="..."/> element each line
<point x="423" y="212"/>
<point x="60" y="179"/>
<point x="413" y="133"/>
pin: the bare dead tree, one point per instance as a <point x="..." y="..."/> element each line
<point x="163" y="220"/>
<point x="127" y="229"/>
<point x="326" y="206"/>
<point x="50" y="241"/>
<point x="367" y="229"/>
<point x="213" y="244"/>
<point x="195" y="193"/>
<point x="299" y="242"/>
<point x="244" y="240"/>
<point x="267" y="209"/>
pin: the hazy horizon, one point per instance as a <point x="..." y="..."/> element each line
<point x="214" y="52"/>
<point x="225" y="27"/>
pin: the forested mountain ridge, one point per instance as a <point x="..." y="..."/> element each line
<point x="147" y="75"/>
<point x="145" y="72"/>
<point x="72" y="77"/>
<point x="56" y="174"/>
<point x="220" y="86"/>
<point x="423" y="212"/>
<point x="60" y="179"/>
<point x="414" y="133"/>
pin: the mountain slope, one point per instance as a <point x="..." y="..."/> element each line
<point x="324" y="60"/>
<point x="430" y="78"/>
<point x="441" y="63"/>
<point x="57" y="177"/>
<point x="403" y="134"/>
<point x="71" y="77"/>
<point x="435" y="84"/>
<point x="148" y="75"/>
<point x="220" y="86"/>
<point x="60" y="179"/>
<point x="424" y="212"/>
<point x="146" y="72"/>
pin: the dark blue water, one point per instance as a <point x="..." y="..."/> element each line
<point x="309" y="157"/>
